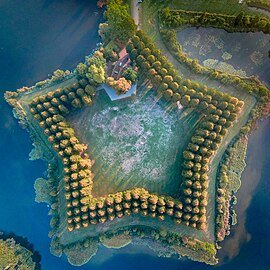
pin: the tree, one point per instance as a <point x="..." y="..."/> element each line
<point x="193" y="147"/>
<point x="188" y="155"/>
<point x="187" y="173"/>
<point x="58" y="75"/>
<point x="146" y="52"/>
<point x="174" y="86"/>
<point x="156" y="80"/>
<point x="152" y="73"/>
<point x="140" y="59"/>
<point x="90" y="90"/>
<point x="121" y="86"/>
<point x="133" y="53"/>
<point x="64" y="110"/>
<point x="86" y="100"/>
<point x="197" y="139"/>
<point x="122" y="26"/>
<point x="104" y="33"/>
<point x="151" y="59"/>
<point x="96" y="59"/>
<point x="194" y="102"/>
<point x="168" y="79"/>
<point x="111" y="55"/>
<point x="168" y="94"/>
<point x="64" y="98"/>
<point x="185" y="100"/>
<point x="76" y="103"/>
<point x="81" y="70"/>
<point x="188" y="164"/>
<point x="130" y="45"/>
<point x="157" y="65"/>
<point x="208" y="125"/>
<point x="176" y="97"/>
<point x="145" y="66"/>
<point x="163" y="72"/>
<point x="96" y="74"/>
<point x="130" y="74"/>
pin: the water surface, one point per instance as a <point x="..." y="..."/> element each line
<point x="245" y="52"/>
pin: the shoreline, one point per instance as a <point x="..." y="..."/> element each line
<point x="250" y="180"/>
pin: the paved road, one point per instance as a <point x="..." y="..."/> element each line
<point x="135" y="6"/>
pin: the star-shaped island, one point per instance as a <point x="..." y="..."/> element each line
<point x="138" y="152"/>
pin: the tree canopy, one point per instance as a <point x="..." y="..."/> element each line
<point x="96" y="74"/>
<point x="122" y="26"/>
<point x="130" y="75"/>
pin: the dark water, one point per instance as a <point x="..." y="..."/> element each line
<point x="214" y="43"/>
<point x="37" y="37"/>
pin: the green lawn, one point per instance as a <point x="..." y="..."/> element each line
<point x="136" y="142"/>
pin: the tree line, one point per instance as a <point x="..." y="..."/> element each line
<point x="82" y="209"/>
<point x="49" y="110"/>
<point x="219" y="111"/>
<point x="232" y="23"/>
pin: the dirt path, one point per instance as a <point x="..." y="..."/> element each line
<point x="135" y="6"/>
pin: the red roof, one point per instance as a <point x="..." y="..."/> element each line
<point x="123" y="53"/>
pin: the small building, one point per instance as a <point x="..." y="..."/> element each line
<point x="116" y="69"/>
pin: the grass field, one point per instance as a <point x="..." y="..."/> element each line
<point x="136" y="142"/>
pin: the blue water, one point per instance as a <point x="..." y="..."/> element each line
<point x="37" y="37"/>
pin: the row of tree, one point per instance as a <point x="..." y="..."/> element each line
<point x="251" y="87"/>
<point x="136" y="201"/>
<point x="232" y="23"/>
<point x="82" y="209"/>
<point x="62" y="100"/>
<point x="49" y="110"/>
<point x="165" y="78"/>
<point x="219" y="112"/>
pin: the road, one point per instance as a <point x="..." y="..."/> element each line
<point x="135" y="6"/>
